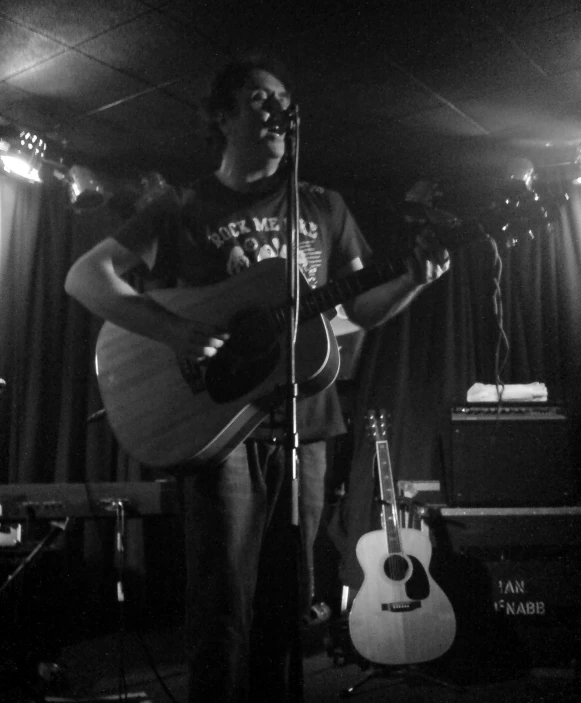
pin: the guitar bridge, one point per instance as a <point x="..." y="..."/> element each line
<point x="401" y="607"/>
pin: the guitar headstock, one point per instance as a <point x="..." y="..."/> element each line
<point x="376" y="425"/>
<point x="519" y="210"/>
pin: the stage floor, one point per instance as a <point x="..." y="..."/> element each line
<point x="123" y="668"/>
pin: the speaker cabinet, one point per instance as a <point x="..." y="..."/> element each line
<point x="515" y="609"/>
<point x="512" y="456"/>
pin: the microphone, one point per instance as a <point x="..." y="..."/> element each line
<point x="279" y="120"/>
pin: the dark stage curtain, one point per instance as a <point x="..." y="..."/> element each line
<point x="421" y="364"/>
<point x="47" y="344"/>
<point x="45" y="347"/>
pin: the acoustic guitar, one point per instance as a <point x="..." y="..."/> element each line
<point x="400" y="615"/>
<point x="164" y="413"/>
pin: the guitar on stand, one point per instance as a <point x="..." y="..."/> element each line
<point x="400" y="616"/>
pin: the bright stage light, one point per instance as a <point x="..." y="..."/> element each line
<point x="22" y="155"/>
<point x="19" y="167"/>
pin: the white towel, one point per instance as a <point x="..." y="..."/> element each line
<point x="510" y="393"/>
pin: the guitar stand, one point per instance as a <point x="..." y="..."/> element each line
<point x="410" y="674"/>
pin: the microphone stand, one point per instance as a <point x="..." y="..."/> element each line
<point x="293" y="292"/>
<point x="292" y="435"/>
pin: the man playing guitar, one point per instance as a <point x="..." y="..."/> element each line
<point x="239" y="603"/>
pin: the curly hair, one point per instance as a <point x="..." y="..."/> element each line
<point x="228" y="81"/>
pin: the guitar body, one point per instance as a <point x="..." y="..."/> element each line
<point x="164" y="415"/>
<point x="400" y="615"/>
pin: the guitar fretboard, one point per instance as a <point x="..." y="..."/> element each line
<point x="388" y="498"/>
<point x="319" y="300"/>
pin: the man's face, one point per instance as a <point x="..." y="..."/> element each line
<point x="246" y="128"/>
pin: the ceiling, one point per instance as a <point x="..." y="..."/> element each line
<point x="388" y="91"/>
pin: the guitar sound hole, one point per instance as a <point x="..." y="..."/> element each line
<point x="230" y="376"/>
<point x="249" y="356"/>
<point x="395" y="567"/>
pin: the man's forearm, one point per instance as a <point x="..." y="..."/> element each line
<point x="113" y="299"/>
<point x="381" y="304"/>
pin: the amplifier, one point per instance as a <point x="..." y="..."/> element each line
<point x="510" y="455"/>
<point x="508" y="411"/>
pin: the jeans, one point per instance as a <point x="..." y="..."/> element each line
<point x="249" y="572"/>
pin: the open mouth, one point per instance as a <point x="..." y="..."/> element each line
<point x="274" y="128"/>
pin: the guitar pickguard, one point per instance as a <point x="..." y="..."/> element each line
<point x="417" y="587"/>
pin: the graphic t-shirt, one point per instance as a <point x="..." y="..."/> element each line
<point x="207" y="233"/>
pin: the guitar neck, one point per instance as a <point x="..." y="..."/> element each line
<point x="454" y="235"/>
<point x="343" y="289"/>
<point x="318" y="300"/>
<point x="388" y="498"/>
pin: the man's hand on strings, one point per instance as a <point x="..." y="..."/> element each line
<point x="195" y="341"/>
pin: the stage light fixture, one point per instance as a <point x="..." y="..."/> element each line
<point x="521" y="171"/>
<point x="22" y="154"/>
<point x="86" y="191"/>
